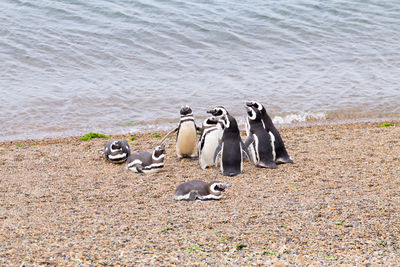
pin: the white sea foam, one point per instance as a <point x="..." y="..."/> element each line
<point x="299" y="117"/>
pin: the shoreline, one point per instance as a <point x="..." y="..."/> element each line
<point x="393" y="119"/>
<point x="62" y="203"/>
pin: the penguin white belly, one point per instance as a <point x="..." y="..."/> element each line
<point x="220" y="160"/>
<point x="273" y="145"/>
<point x="253" y="150"/>
<point x="186" y="142"/>
<point x="211" y="142"/>
<point x="152" y="170"/>
<point x="251" y="146"/>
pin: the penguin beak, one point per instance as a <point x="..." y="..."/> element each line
<point x="210" y="111"/>
<point x="227" y="185"/>
<point x="249" y="103"/>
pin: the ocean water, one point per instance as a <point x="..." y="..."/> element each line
<point x="118" y="66"/>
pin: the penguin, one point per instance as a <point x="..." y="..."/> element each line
<point x="186" y="136"/>
<point x="117" y="151"/>
<point x="146" y="162"/>
<point x="218" y="111"/>
<point x="231" y="148"/>
<point x="211" y="134"/>
<point x="261" y="141"/>
<point x="199" y="190"/>
<point x="282" y="155"/>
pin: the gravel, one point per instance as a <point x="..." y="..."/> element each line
<point x="61" y="203"/>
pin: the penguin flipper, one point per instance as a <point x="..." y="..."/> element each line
<point x="168" y="134"/>
<point x="139" y="168"/>
<point x="193" y="195"/>
<point x="201" y="143"/>
<point x="245" y="150"/>
<point x="217" y="151"/>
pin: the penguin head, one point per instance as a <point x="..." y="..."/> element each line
<point x="116" y="145"/>
<point x="218" y="111"/>
<point x="210" y="121"/>
<point x="186" y="110"/>
<point x="255" y="104"/>
<point x="216" y="187"/>
<point x="224" y="121"/>
<point x="159" y="151"/>
<point x="253" y="113"/>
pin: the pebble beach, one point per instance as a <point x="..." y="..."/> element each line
<point x="61" y="203"/>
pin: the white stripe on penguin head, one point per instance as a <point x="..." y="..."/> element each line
<point x="253" y="114"/>
<point x="114" y="150"/>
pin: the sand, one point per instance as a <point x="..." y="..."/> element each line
<point x="61" y="203"/>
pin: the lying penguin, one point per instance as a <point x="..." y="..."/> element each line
<point x="211" y="134"/>
<point x="199" y="190"/>
<point x="117" y="151"/>
<point x="281" y="155"/>
<point x="146" y="162"/>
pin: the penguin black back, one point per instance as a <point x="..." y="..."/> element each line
<point x="231" y="147"/>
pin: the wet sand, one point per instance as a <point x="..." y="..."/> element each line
<point x="61" y="203"/>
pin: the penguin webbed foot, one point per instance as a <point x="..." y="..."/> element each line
<point x="269" y="165"/>
<point x="230" y="174"/>
<point x="284" y="161"/>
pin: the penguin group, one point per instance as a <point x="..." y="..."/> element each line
<point x="118" y="151"/>
<point x="220" y="144"/>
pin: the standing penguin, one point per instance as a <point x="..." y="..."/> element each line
<point x="146" y="162"/>
<point x="282" y="155"/>
<point x="186" y="137"/>
<point x="261" y="141"/>
<point x="211" y="134"/>
<point x="200" y="190"/>
<point x="231" y="148"/>
<point x="117" y="151"/>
